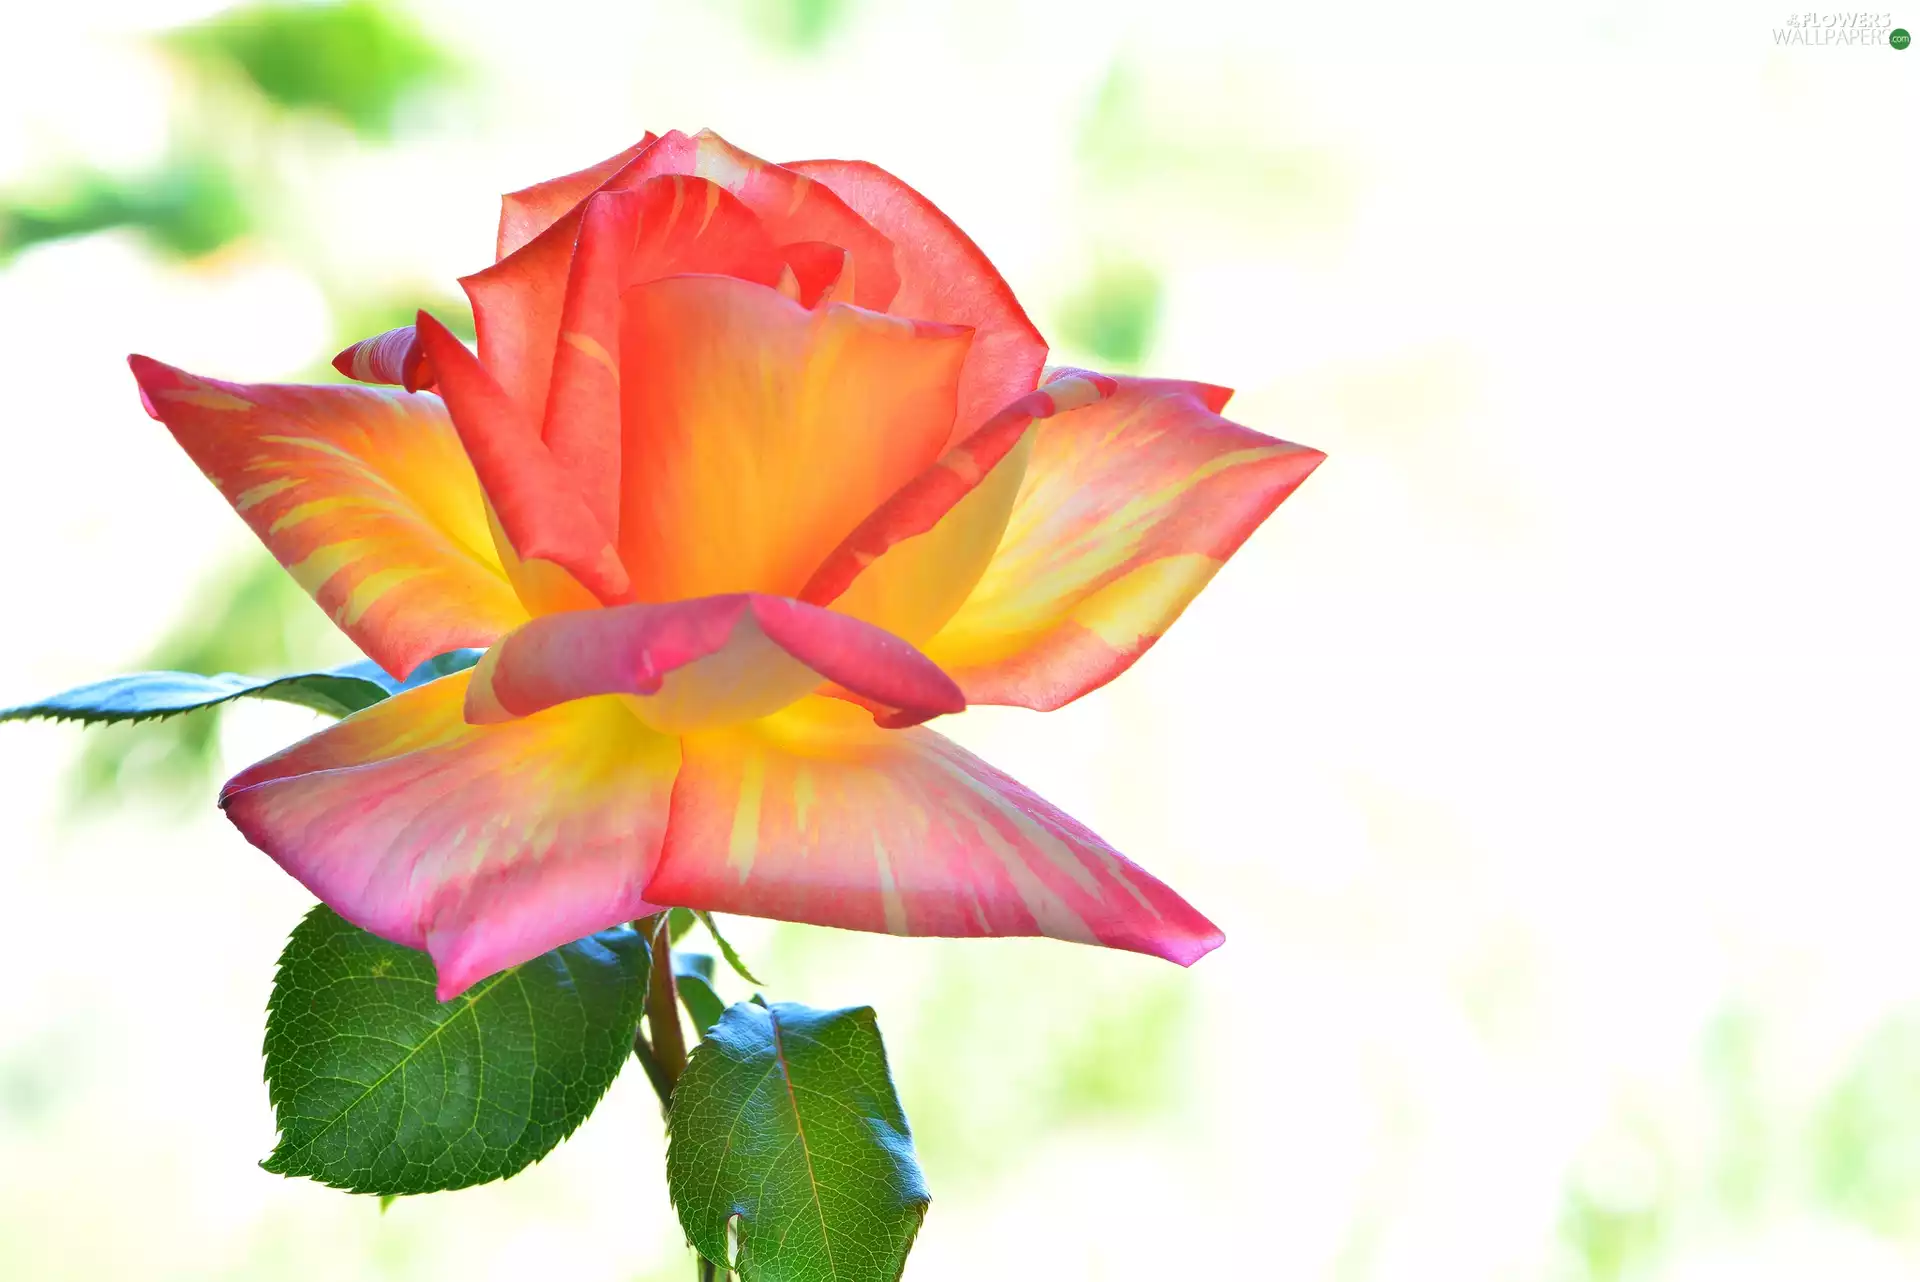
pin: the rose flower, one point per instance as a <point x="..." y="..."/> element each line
<point x="756" y="470"/>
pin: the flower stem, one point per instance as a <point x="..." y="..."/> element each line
<point x="664" y="1053"/>
<point x="669" y="1044"/>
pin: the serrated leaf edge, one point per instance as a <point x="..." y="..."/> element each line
<point x="740" y="1265"/>
<point x="275" y="1094"/>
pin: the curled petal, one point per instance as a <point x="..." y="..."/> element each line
<point x="485" y="846"/>
<point x="394" y="358"/>
<point x="542" y="514"/>
<point x="815" y="815"/>
<point x="664" y="227"/>
<point x="944" y="277"/>
<point x="792" y="206"/>
<point x="822" y="273"/>
<point x="1129" y="506"/>
<point x="756" y="434"/>
<point x="516" y="313"/>
<point x="526" y="213"/>
<point x="364" y="495"/>
<point x="711" y="661"/>
<point x="517" y="303"/>
<point x="910" y="564"/>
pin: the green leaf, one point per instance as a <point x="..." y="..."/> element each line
<point x="726" y="950"/>
<point x="693" y="980"/>
<point x="378" y="1088"/>
<point x="786" y="1117"/>
<point x="145" y="696"/>
<point x="679" y="922"/>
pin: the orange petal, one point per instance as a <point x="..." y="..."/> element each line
<point x="1129" y="506"/>
<point x="484" y="845"/>
<point x="517" y="302"/>
<point x="944" y="277"/>
<point x="664" y="227"/>
<point x="706" y="662"/>
<point x="516" y="313"/>
<point x="364" y="495"/>
<point x="816" y="815"/>
<point x="915" y="558"/>
<point x="757" y="434"/>
<point x="540" y="510"/>
<point x="526" y="213"/>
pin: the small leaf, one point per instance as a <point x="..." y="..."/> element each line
<point x="693" y="980"/>
<point x="378" y="1088"/>
<point x="679" y="922"/>
<point x="726" y="950"/>
<point x="786" y="1117"/>
<point x="145" y="696"/>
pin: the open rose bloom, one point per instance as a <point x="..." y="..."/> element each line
<point x="757" y="469"/>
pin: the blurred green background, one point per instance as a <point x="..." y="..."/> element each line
<point x="1547" y="759"/>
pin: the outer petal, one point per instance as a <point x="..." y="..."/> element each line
<point x="1130" y="505"/>
<point x="944" y="277"/>
<point x="526" y="213"/>
<point x="757" y="434"/>
<point x="542" y="513"/>
<point x="483" y="845"/>
<point x="815" y="815"/>
<point x="365" y="496"/>
<point x="910" y="564"/>
<point x="394" y="358"/>
<point x="664" y="227"/>
<point x="706" y="662"/>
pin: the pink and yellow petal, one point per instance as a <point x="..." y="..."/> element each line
<point x="815" y="815"/>
<point x="912" y="562"/>
<point x="393" y="358"/>
<point x="711" y="661"/>
<point x="945" y="277"/>
<point x="1129" y="506"/>
<point x="767" y="431"/>
<point x="485" y="846"/>
<point x="365" y="496"/>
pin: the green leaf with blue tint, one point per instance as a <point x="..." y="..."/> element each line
<point x="145" y="696"/>
<point x="787" y="1118"/>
